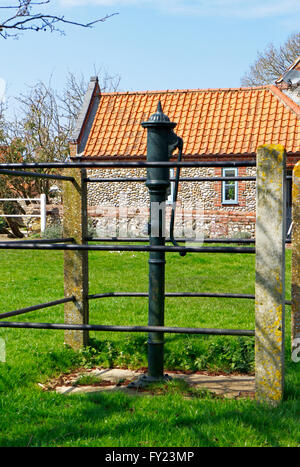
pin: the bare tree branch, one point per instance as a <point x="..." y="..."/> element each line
<point x="44" y="124"/>
<point x="76" y="86"/>
<point x="25" y="19"/>
<point x="272" y="62"/>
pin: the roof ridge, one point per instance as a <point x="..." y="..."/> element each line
<point x="291" y="67"/>
<point x="285" y="99"/>
<point x="91" y="92"/>
<point x="174" y="91"/>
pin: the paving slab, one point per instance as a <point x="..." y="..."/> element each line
<point x="117" y="379"/>
<point x="115" y="374"/>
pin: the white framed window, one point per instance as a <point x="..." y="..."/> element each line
<point x="172" y="187"/>
<point x="230" y="187"/>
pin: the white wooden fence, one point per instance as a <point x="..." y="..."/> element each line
<point x="42" y="215"/>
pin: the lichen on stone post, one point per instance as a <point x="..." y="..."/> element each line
<point x="295" y="321"/>
<point x="76" y="262"/>
<point x="270" y="273"/>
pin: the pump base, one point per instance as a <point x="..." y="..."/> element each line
<point x="144" y="380"/>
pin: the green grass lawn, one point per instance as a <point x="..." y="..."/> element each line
<point x="30" y="416"/>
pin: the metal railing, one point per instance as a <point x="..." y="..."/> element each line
<point x="65" y="244"/>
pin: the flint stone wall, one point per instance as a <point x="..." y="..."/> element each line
<point x="128" y="204"/>
<point x="122" y="209"/>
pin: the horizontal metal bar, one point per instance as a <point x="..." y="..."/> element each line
<point x="99" y="327"/>
<point x="180" y="240"/>
<point x="125" y="239"/>
<point x="20" y="215"/>
<point x="19" y="173"/>
<point x="21" y="311"/>
<point x="140" y="164"/>
<point x="182" y="179"/>
<point x="41" y="240"/>
<point x="171" y="294"/>
<point x="120" y="180"/>
<point x="119" y="164"/>
<point x="20" y="199"/>
<point x="86" y="247"/>
<point x="177" y="294"/>
<point x="51" y="240"/>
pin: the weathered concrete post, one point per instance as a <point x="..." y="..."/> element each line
<point x="295" y="334"/>
<point x="270" y="273"/>
<point x="76" y="262"/>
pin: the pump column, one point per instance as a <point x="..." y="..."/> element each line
<point x="158" y="138"/>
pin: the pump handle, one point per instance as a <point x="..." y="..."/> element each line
<point x="179" y="145"/>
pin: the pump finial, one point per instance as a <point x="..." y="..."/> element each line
<point x="159" y="118"/>
<point x="159" y="107"/>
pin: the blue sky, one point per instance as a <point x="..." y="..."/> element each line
<point x="151" y="44"/>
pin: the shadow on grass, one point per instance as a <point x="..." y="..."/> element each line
<point x="112" y="420"/>
<point x="35" y="418"/>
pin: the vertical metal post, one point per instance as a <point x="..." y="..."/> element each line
<point x="270" y="273"/>
<point x="159" y="138"/>
<point x="43" y="212"/>
<point x="76" y="262"/>
<point x="156" y="284"/>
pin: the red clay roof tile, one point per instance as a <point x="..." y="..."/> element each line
<point x="216" y="121"/>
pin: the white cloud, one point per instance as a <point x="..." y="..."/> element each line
<point x="229" y="8"/>
<point x="2" y="90"/>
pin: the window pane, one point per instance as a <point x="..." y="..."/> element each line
<point x="171" y="188"/>
<point x="229" y="192"/>
<point x="229" y="173"/>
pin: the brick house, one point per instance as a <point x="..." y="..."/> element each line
<point x="215" y="124"/>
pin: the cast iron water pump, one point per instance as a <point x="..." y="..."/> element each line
<point x="161" y="142"/>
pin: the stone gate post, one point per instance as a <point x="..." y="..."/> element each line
<point x="295" y="334"/>
<point x="76" y="262"/>
<point x="270" y="273"/>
